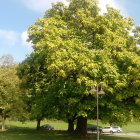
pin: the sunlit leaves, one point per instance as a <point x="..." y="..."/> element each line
<point x="75" y="49"/>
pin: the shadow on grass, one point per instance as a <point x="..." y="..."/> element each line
<point x="25" y="133"/>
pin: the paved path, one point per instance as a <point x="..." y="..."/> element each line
<point x="132" y="134"/>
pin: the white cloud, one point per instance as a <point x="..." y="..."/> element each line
<point x="111" y="3"/>
<point x="24" y="37"/>
<point x="14" y="43"/>
<point x="14" y="39"/>
<point x="40" y="5"/>
<point x="103" y="3"/>
<point x="43" y="5"/>
<point x="10" y="38"/>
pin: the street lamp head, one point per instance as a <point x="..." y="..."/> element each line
<point x="97" y="91"/>
<point x="101" y="92"/>
<point x="93" y="90"/>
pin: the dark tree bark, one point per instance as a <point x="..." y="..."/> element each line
<point x="81" y="128"/>
<point x="70" y="125"/>
<point x="38" y="124"/>
<point x="3" y="122"/>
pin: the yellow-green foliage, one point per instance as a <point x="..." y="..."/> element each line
<point x="76" y="48"/>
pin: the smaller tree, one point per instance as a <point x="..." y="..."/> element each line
<point x="11" y="103"/>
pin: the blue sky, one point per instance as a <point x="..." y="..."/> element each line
<point x="17" y="15"/>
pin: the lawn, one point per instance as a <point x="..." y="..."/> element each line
<point x="132" y="127"/>
<point x="26" y="131"/>
<point x="55" y="135"/>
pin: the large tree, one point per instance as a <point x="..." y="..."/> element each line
<point x="77" y="49"/>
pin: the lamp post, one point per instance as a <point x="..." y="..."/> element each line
<point x="98" y="92"/>
<point x="97" y="99"/>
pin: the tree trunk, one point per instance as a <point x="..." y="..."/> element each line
<point x="38" y="124"/>
<point x="81" y="128"/>
<point x="70" y="125"/>
<point x="3" y="122"/>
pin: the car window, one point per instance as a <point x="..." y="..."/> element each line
<point x="115" y="127"/>
<point x="106" y="127"/>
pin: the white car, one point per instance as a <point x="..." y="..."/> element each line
<point x="111" y="129"/>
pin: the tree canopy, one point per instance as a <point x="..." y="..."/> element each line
<point x="77" y="49"/>
<point x="11" y="100"/>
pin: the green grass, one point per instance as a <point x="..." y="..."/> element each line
<point x="26" y="131"/>
<point x="55" y="135"/>
<point x="132" y="127"/>
<point x="58" y="125"/>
